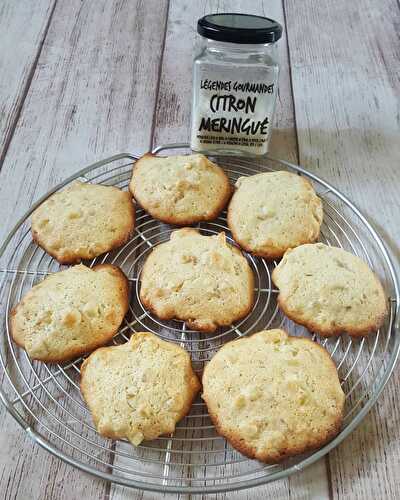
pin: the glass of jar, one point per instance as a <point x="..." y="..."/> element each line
<point x="235" y="84"/>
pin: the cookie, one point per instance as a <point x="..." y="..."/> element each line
<point x="274" y="211"/>
<point x="83" y="221"/>
<point x="199" y="279"/>
<point x="138" y="390"/>
<point x="273" y="396"/>
<point x="180" y="190"/>
<point x="71" y="312"/>
<point x="329" y="291"/>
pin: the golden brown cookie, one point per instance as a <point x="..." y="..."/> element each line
<point x="329" y="291"/>
<point x="138" y="390"/>
<point x="274" y="211"/>
<point x="71" y="312"/>
<point x="180" y="190"/>
<point x="199" y="279"/>
<point x="273" y="396"/>
<point x="83" y="221"/>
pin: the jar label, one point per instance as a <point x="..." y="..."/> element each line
<point x="232" y="114"/>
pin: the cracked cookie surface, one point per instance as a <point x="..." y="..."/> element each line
<point x="329" y="291"/>
<point x="273" y="396"/>
<point x="83" y="221"/>
<point x="138" y="390"/>
<point x="71" y="312"/>
<point x="202" y="280"/>
<point x="180" y="190"/>
<point x="274" y="211"/>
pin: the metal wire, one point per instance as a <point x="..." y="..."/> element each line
<point x="46" y="401"/>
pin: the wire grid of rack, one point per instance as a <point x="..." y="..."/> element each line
<point x="46" y="401"/>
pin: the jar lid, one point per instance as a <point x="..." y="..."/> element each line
<point x="239" y="28"/>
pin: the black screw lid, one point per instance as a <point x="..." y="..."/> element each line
<point x="239" y="28"/>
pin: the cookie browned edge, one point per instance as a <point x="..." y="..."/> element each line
<point x="195" y="388"/>
<point x="190" y="220"/>
<point x="191" y="322"/>
<point x="359" y="331"/>
<point x="73" y="258"/>
<point x="74" y="353"/>
<point x="271" y="254"/>
<point x="250" y="452"/>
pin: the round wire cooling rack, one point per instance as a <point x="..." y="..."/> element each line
<point x="46" y="401"/>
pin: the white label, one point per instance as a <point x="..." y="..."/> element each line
<point x="232" y="115"/>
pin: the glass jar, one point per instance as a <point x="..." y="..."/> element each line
<point x="235" y="84"/>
